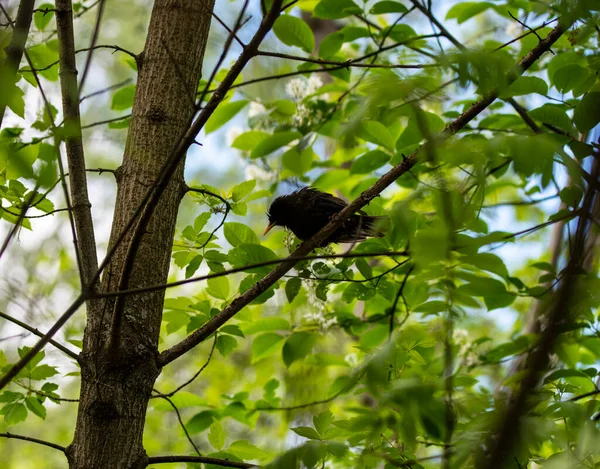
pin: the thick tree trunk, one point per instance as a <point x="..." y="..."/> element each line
<point x="116" y="386"/>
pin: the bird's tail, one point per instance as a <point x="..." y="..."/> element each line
<point x="374" y="226"/>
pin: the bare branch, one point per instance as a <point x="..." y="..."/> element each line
<point x="33" y="440"/>
<point x="198" y="459"/>
<point x="82" y="213"/>
<point x="34" y="331"/>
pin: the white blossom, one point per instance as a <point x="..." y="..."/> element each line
<point x="256" y="108"/>
<point x="232" y="134"/>
<point x="296" y="88"/>
<point x="257" y="173"/>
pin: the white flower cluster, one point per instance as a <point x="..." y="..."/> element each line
<point x="298" y="89"/>
<point x="318" y="308"/>
<point x="256" y="108"/>
<point x="258" y="174"/>
<point x="460" y="338"/>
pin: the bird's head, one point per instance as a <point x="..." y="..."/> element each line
<point x="278" y="213"/>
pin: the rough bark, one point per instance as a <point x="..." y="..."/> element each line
<point x="116" y="385"/>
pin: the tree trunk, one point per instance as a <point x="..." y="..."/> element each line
<point x="116" y="386"/>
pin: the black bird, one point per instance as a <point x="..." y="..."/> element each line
<point x="307" y="210"/>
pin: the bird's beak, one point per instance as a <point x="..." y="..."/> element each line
<point x="271" y="225"/>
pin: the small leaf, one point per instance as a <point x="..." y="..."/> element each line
<point x="123" y="98"/>
<point x="466" y="10"/>
<point x="525" y="85"/>
<point x="265" y="344"/>
<point x="242" y="190"/>
<point x="36" y="407"/>
<point x="193" y="265"/>
<point x="323" y="421"/>
<point x="218" y="287"/>
<point x="43" y="15"/>
<point x="224" y="113"/>
<point x="226" y="344"/>
<point x="587" y="112"/>
<point x="335" y="9"/>
<point x="381" y="8"/>
<point x="274" y="142"/>
<point x="297" y="162"/>
<point x="216" y="435"/>
<point x="297" y="346"/>
<point x="307" y="432"/>
<point x="294" y="31"/>
<point x="369" y="162"/>
<point x="238" y="233"/>
<point x="331" y="44"/>
<point x="248" y="140"/>
<point x="246" y="451"/>
<point x="376" y="132"/>
<point x="292" y="287"/>
<point x="43" y="372"/>
<point x="14" y="413"/>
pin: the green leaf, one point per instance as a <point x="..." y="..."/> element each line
<point x="376" y="132"/>
<point x="265" y="325"/>
<point x="335" y="9"/>
<point x="248" y="254"/>
<point x="296" y="162"/>
<point x="41" y="18"/>
<point x="265" y="344"/>
<point x="223" y="114"/>
<point x="487" y="261"/>
<point x="274" y="142"/>
<point x="14" y="413"/>
<point x="218" y="287"/>
<point x="216" y="435"/>
<point x="201" y="421"/>
<point x="509" y="348"/>
<point x="226" y="344"/>
<point x="369" y="162"/>
<point x="323" y="421"/>
<point x="36" y="407"/>
<point x="193" y="265"/>
<point x="232" y="329"/>
<point x="293" y="31"/>
<point x="297" y="346"/>
<point x="553" y="114"/>
<point x="568" y="77"/>
<point x="248" y="140"/>
<point x="123" y="98"/>
<point x="381" y="8"/>
<point x="292" y="288"/>
<point x="43" y="372"/>
<point x="307" y="432"/>
<point x="587" y="112"/>
<point x="525" y="85"/>
<point x="242" y="190"/>
<point x="331" y="44"/>
<point x="238" y="233"/>
<point x="432" y="307"/>
<point x="246" y="451"/>
<point x="358" y="291"/>
<point x="466" y="10"/>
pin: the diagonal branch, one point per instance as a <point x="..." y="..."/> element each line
<point x="34" y="331"/>
<point x="363" y="199"/>
<point x="33" y="440"/>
